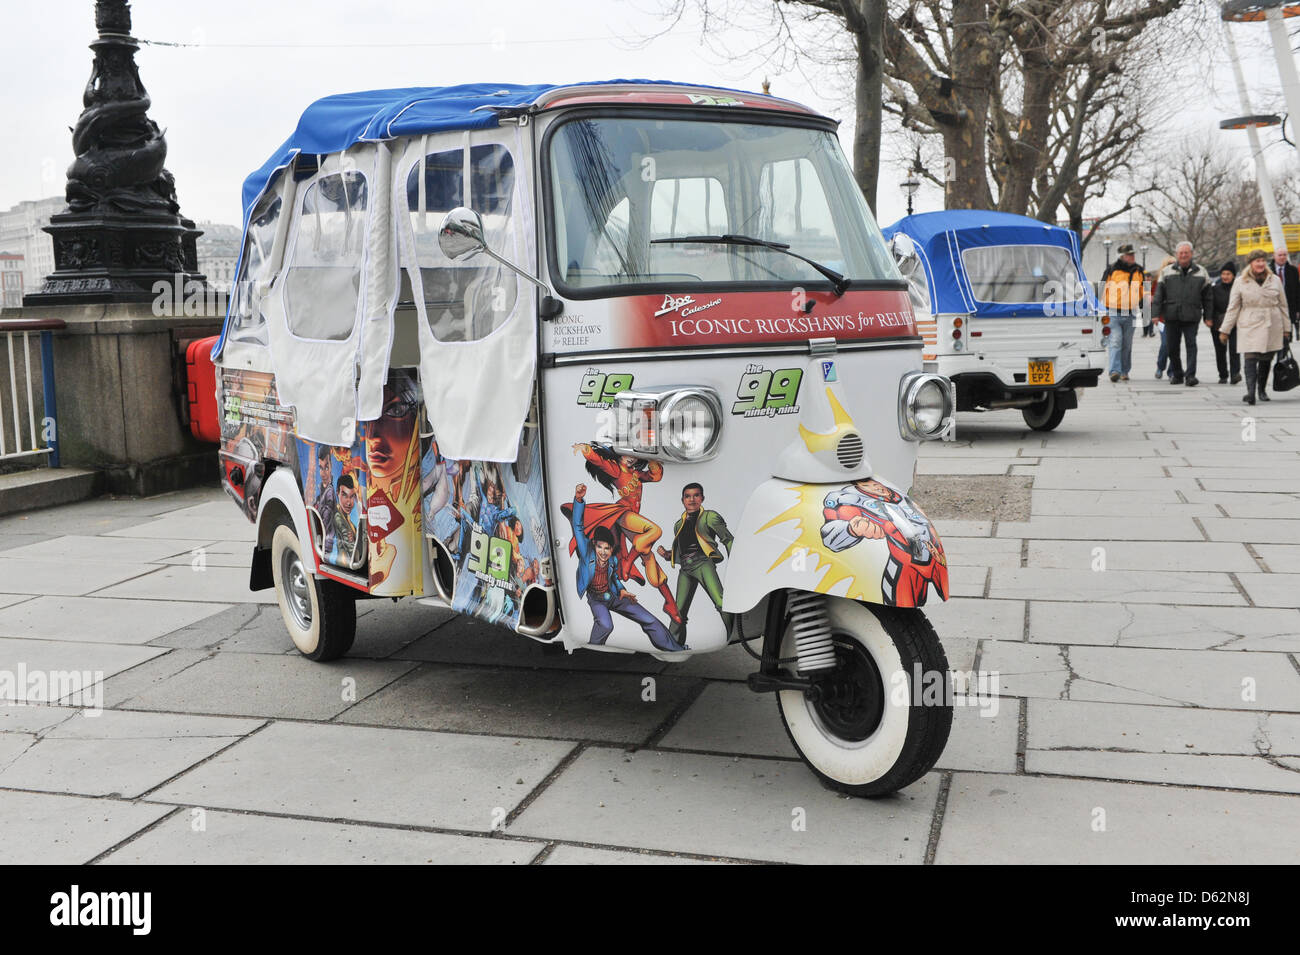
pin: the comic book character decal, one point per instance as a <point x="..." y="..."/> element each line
<point x="698" y="538"/>
<point x="393" y="495"/>
<point x="600" y="580"/>
<point x="871" y="510"/>
<point x="334" y="484"/>
<point x="634" y="534"/>
<point x="345" y="516"/>
<point x="256" y="433"/>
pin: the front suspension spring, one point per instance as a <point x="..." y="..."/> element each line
<point x="813" y="641"/>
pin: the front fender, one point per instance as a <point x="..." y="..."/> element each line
<point x="808" y="537"/>
<point x="280" y="498"/>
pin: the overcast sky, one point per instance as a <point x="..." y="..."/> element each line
<point x="225" y="107"/>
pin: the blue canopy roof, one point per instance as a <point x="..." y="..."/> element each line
<point x="332" y="124"/>
<point x="942" y="238"/>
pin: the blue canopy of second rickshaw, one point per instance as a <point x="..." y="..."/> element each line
<point x="945" y="241"/>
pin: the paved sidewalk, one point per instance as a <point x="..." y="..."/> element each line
<point x="1143" y="622"/>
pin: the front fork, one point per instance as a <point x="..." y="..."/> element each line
<point x="814" y="642"/>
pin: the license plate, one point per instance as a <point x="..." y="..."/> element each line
<point x="1041" y="373"/>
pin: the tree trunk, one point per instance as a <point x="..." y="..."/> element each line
<point x="867" y="95"/>
<point x="965" y="140"/>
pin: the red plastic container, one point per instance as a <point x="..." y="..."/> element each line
<point x="201" y="385"/>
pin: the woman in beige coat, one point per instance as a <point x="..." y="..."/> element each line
<point x="1257" y="309"/>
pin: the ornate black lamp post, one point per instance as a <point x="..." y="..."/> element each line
<point x="122" y="230"/>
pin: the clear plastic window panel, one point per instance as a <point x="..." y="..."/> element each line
<point x="249" y="321"/>
<point x="323" y="283"/>
<point x="1021" y="274"/>
<point x="467" y="299"/>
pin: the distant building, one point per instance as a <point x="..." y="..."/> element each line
<point x="218" y="250"/>
<point x="20" y="232"/>
<point x="11" y="280"/>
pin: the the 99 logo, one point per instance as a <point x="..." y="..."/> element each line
<point x="488" y="555"/>
<point x="599" y="389"/>
<point x="763" y="393"/>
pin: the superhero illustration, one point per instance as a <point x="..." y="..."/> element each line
<point x="489" y="541"/>
<point x="698" y="538"/>
<point x="871" y="510"/>
<point x="333" y="485"/>
<point x="600" y="580"/>
<point x="634" y="535"/>
<point x="345" y="517"/>
<point x="393" y="492"/>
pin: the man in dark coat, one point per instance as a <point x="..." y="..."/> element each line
<point x="1223" y="351"/>
<point x="1183" y="300"/>
<point x="1290" y="277"/>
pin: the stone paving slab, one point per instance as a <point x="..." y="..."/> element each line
<point x="1046" y="821"/>
<point x="226" y="585"/>
<point x="1253" y="530"/>
<point x="47" y="657"/>
<point x="8" y="600"/>
<point x="1240" y="504"/>
<point x="81" y="547"/>
<point x="99" y="619"/>
<point x="1280" y="559"/>
<point x="117" y="753"/>
<point x="1103" y="528"/>
<point x="1141" y="503"/>
<point x="1272" y="590"/>
<point x="514" y="702"/>
<point x="234" y="838"/>
<point x="1209" y="678"/>
<point x="122" y="687"/>
<point x="982" y="551"/>
<point x="584" y="855"/>
<point x="231" y="528"/>
<point x="1046" y="583"/>
<point x="31" y="576"/>
<point x="448" y="781"/>
<point x="1143" y="556"/>
<point x="739" y="808"/>
<point x="1157" y="625"/>
<point x="49" y="829"/>
<point x="969" y="618"/>
<point x="1194" y="747"/>
<point x="963" y="465"/>
<point x="255" y="684"/>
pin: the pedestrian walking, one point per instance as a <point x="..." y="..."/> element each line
<point x="1122" y="294"/>
<point x="1183" y="300"/>
<point x="1157" y="325"/>
<point x="1290" y="277"/>
<point x="1225" y="352"/>
<point x="1258" y="307"/>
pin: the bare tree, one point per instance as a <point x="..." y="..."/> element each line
<point x="1205" y="198"/>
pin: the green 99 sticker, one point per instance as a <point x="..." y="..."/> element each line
<point x="599" y="389"/>
<point x="763" y="393"/>
<point x="488" y="555"/>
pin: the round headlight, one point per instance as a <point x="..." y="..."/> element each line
<point x="689" y="427"/>
<point x="928" y="407"/>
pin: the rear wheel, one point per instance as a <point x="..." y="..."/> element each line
<point x="320" y="615"/>
<point x="869" y="730"/>
<point x="1045" y="415"/>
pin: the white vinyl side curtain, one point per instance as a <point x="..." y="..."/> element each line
<point x="329" y="320"/>
<point x="477" y="389"/>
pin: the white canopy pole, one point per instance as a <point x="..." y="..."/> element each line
<point x="1285" y="62"/>
<point x="1271" y="213"/>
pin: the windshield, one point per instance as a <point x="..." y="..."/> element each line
<point x="1021" y="274"/>
<point x="618" y="184"/>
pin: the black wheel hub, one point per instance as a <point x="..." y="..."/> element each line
<point x="850" y="699"/>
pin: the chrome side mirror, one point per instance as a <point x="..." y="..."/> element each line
<point x="461" y="234"/>
<point x="902" y="246"/>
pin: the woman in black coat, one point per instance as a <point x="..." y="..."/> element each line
<point x="1222" y="291"/>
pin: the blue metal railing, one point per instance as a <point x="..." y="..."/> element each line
<point x="16" y="334"/>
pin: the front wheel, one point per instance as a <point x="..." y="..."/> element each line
<point x="870" y="729"/>
<point x="1045" y="415"/>
<point x="321" y="615"/>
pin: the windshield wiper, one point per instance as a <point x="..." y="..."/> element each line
<point x="838" y="281"/>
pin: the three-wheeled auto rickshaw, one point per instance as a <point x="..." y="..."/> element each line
<point x="1005" y="309"/>
<point x="621" y="366"/>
